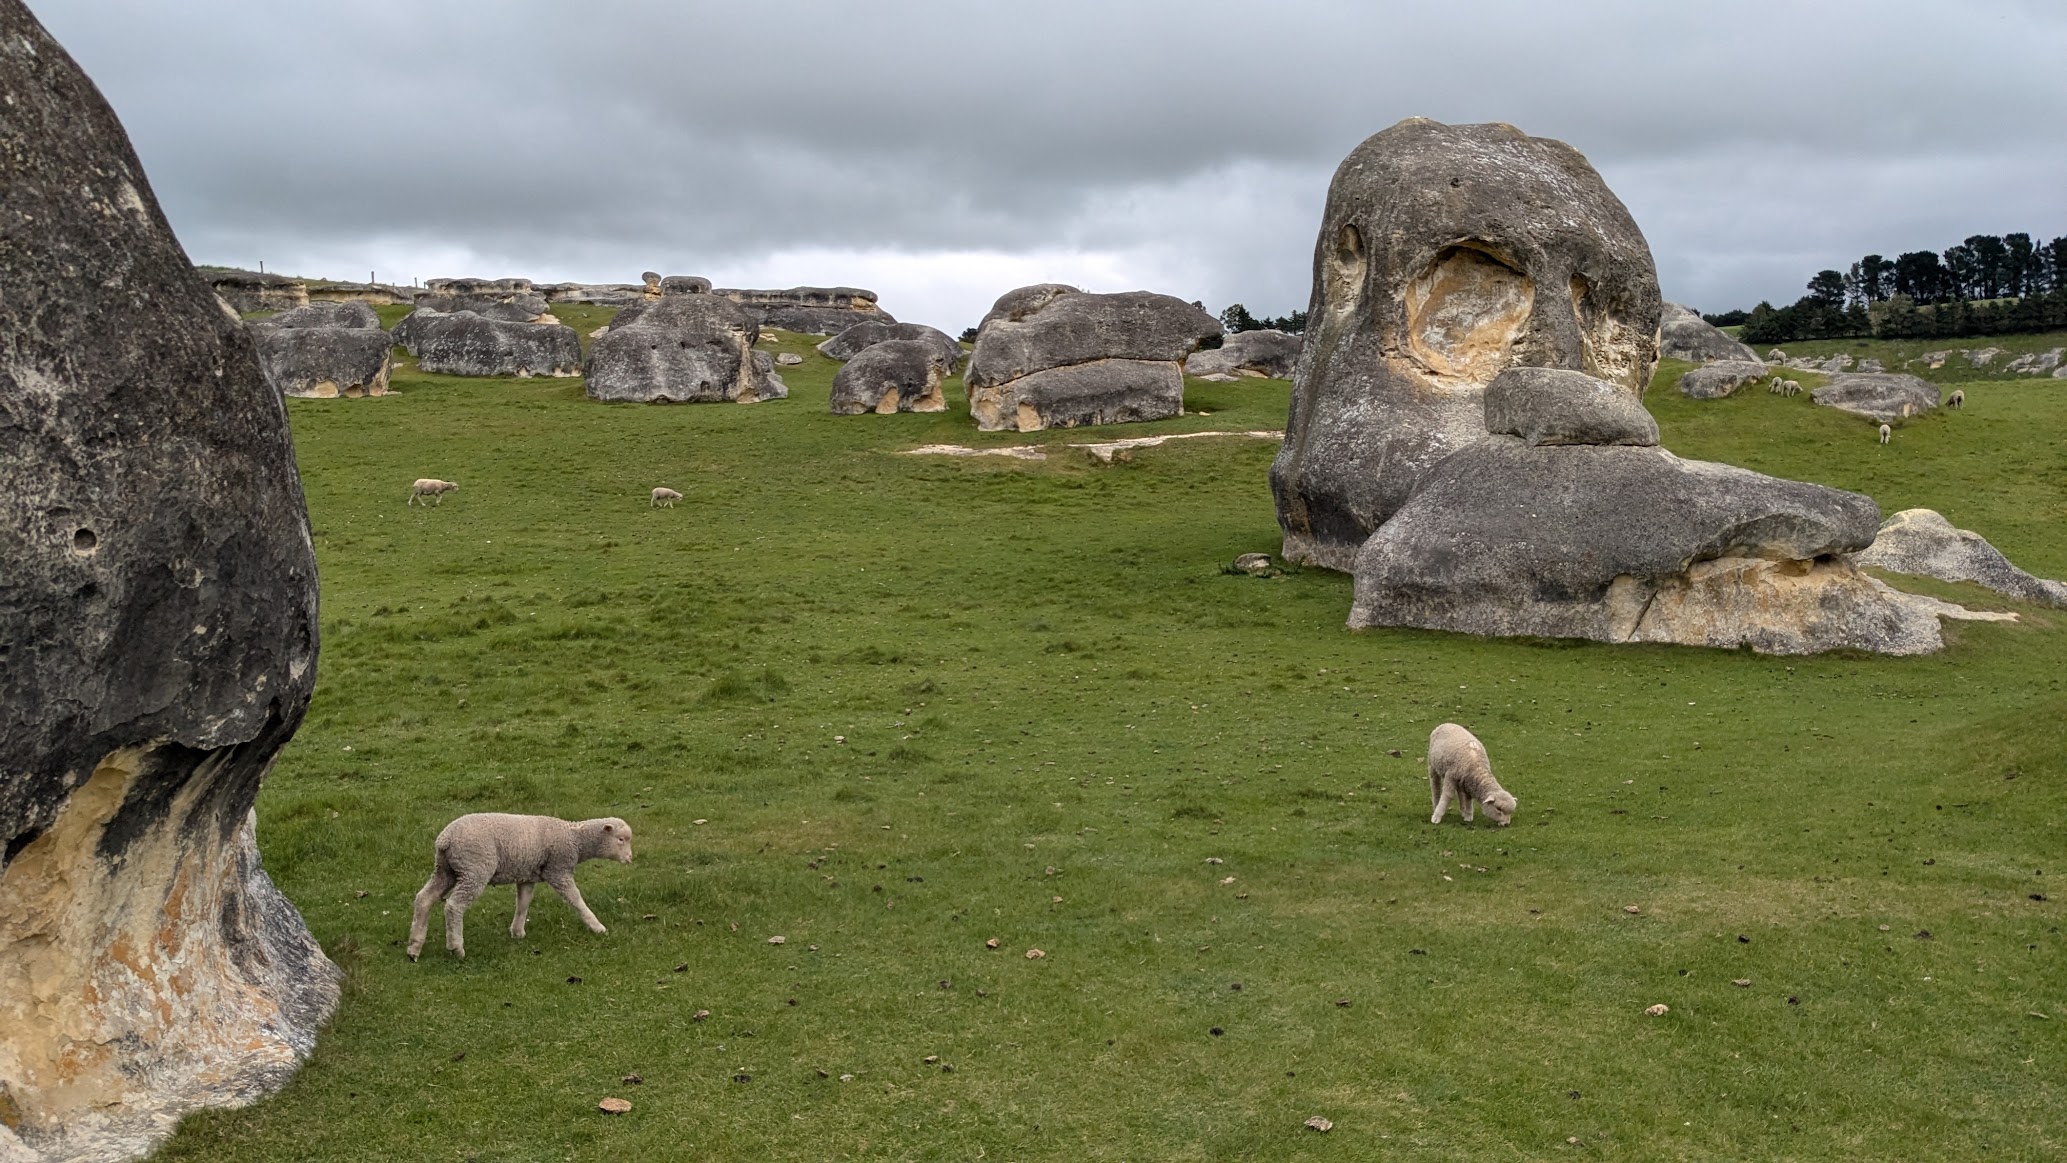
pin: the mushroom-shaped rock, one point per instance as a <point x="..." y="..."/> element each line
<point x="1266" y="353"/>
<point x="1683" y="334"/>
<point x="896" y="375"/>
<point x="682" y="349"/>
<point x="1713" y="381"/>
<point x="1072" y="358"/>
<point x="811" y="310"/>
<point x="1447" y="253"/>
<point x="1544" y="405"/>
<point x="1922" y="542"/>
<point x="1631" y="545"/>
<point x="1883" y="397"/>
<point x="160" y="627"/>
<point x="849" y="343"/>
<point x="465" y="343"/>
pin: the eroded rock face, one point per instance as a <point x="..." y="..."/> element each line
<point x="1266" y="353"/>
<point x="327" y="313"/>
<point x="159" y="622"/>
<point x="258" y="291"/>
<point x="1446" y="255"/>
<point x="851" y="342"/>
<point x="1882" y="397"/>
<point x="464" y="343"/>
<point x="325" y="363"/>
<point x="509" y="300"/>
<point x="682" y="349"/>
<point x="811" y="310"/>
<point x="1683" y="334"/>
<point x="1544" y="405"/>
<point x="1923" y="543"/>
<point x="1053" y="357"/>
<point x="896" y="375"/>
<point x="1713" y="381"/>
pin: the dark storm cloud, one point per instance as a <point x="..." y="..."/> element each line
<point x="947" y="150"/>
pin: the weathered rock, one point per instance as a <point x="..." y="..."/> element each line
<point x="1922" y="542"/>
<point x="158" y="626"/>
<point x="325" y="362"/>
<point x="682" y="349"/>
<point x="1553" y="406"/>
<point x="1265" y="353"/>
<point x="1050" y="358"/>
<point x="2036" y="363"/>
<point x="1446" y="255"/>
<point x="789" y="359"/>
<point x="256" y="290"/>
<point x="685" y="285"/>
<point x="849" y="343"/>
<point x="1871" y="365"/>
<point x="593" y="294"/>
<point x="1683" y="334"/>
<point x="328" y="313"/>
<point x="376" y="294"/>
<point x="896" y="375"/>
<point x="1883" y="397"/>
<point x="509" y="300"/>
<point x="811" y="310"/>
<point x="1833" y="365"/>
<point x="1713" y="381"/>
<point x="1982" y="357"/>
<point x="465" y="343"/>
<point x="1631" y="545"/>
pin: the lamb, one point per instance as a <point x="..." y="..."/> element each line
<point x="1958" y="400"/>
<point x="487" y="848"/>
<point x="1459" y="770"/>
<point x="665" y="497"/>
<point x="1886" y="434"/>
<point x="431" y="487"/>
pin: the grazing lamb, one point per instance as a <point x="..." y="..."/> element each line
<point x="1886" y="434"/>
<point x="1958" y="400"/>
<point x="431" y="487"/>
<point x="665" y="498"/>
<point x="495" y="848"/>
<point x="1459" y="771"/>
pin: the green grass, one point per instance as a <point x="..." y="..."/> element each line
<point x="1895" y="355"/>
<point x="1048" y="688"/>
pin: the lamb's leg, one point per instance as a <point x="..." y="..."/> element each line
<point x="1442" y="804"/>
<point x="563" y="884"/>
<point x="523" y="907"/>
<point x="463" y="894"/>
<point x="1466" y="806"/>
<point x="420" y="924"/>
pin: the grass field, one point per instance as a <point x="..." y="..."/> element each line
<point x="1895" y="355"/>
<point x="890" y="707"/>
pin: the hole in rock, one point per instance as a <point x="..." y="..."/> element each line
<point x="84" y="541"/>
<point x="1465" y="312"/>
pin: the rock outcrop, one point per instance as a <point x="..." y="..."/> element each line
<point x="1713" y="381"/>
<point x="1683" y="334"/>
<point x="508" y="300"/>
<point x="850" y="343"/>
<point x="1055" y="357"/>
<point x="325" y="363"/>
<point x="1882" y="397"/>
<point x="593" y="294"/>
<point x="1265" y="353"/>
<point x="158" y="628"/>
<point x="249" y="291"/>
<point x="326" y="313"/>
<point x="1446" y="255"/>
<point x="896" y="375"/>
<point x="465" y="343"/>
<point x="682" y="349"/>
<point x="811" y="310"/>
<point x="1923" y="543"/>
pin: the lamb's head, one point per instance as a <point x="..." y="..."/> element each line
<point x="606" y="839"/>
<point x="1499" y="807"/>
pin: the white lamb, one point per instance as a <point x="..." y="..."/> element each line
<point x="431" y="487"/>
<point x="665" y="498"/>
<point x="1458" y="770"/>
<point x="496" y="848"/>
<point x="1958" y="400"/>
<point x="1886" y="434"/>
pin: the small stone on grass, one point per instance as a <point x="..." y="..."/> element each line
<point x="614" y="1106"/>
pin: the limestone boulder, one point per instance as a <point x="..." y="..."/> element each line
<point x="682" y="349"/>
<point x="328" y="313"/>
<point x="849" y="343"/>
<point x="896" y="375"/>
<point x="592" y="294"/>
<point x="1542" y="405"/>
<point x="1065" y="358"/>
<point x="1265" y="353"/>
<point x="158" y="628"/>
<point x="789" y="359"/>
<point x="1923" y="543"/>
<point x="1447" y="254"/>
<point x="465" y="343"/>
<point x="250" y="291"/>
<point x="685" y="285"/>
<point x="509" y="300"/>
<point x="1631" y="545"/>
<point x="1683" y="334"/>
<point x="1017" y="304"/>
<point x="1713" y="381"/>
<point x="810" y="310"/>
<point x="325" y="362"/>
<point x="1882" y="397"/>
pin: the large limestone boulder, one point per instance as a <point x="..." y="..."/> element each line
<point x="682" y="349"/>
<point x="1882" y="397"/>
<point x="811" y="310"/>
<point x="1713" y="381"/>
<point x="895" y="375"/>
<point x="1057" y="358"/>
<point x="1922" y="542"/>
<point x="465" y="343"/>
<point x="510" y="300"/>
<point x="325" y="363"/>
<point x="1683" y="334"/>
<point x="1543" y="405"/>
<point x="1447" y="254"/>
<point x="851" y="342"/>
<point x="1266" y="353"/>
<point x="158" y="627"/>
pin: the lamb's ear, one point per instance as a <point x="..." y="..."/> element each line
<point x="607" y="829"/>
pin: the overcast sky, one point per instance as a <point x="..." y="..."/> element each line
<point x="944" y="152"/>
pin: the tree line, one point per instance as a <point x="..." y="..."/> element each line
<point x="1237" y="318"/>
<point x="1987" y="285"/>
